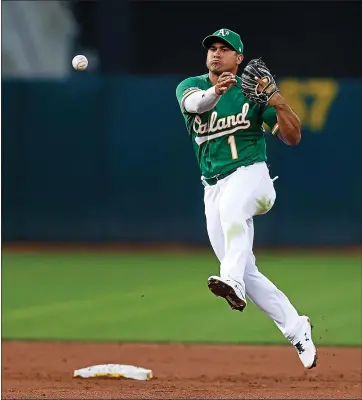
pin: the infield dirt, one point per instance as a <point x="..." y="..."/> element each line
<point x="36" y="370"/>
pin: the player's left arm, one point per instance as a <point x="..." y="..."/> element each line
<point x="258" y="85"/>
<point x="289" y="126"/>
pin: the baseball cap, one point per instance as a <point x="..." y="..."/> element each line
<point x="225" y="35"/>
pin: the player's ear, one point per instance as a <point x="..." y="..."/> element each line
<point x="239" y="59"/>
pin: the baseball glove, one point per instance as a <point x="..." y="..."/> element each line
<point x="249" y="85"/>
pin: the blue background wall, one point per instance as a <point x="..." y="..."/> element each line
<point x="109" y="159"/>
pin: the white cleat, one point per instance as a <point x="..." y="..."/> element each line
<point x="304" y="345"/>
<point x="230" y="290"/>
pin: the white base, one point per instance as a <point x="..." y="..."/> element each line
<point x="114" y="371"/>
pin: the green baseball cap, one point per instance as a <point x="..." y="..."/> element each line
<point x="231" y="38"/>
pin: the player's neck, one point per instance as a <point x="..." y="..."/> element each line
<point x="213" y="78"/>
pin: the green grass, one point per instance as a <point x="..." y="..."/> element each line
<point x="164" y="297"/>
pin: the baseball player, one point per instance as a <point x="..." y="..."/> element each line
<point x="225" y="115"/>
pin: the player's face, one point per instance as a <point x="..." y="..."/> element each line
<point x="221" y="58"/>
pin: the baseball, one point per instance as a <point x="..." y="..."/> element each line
<point x="80" y="63"/>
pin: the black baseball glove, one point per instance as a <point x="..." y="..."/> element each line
<point x="257" y="69"/>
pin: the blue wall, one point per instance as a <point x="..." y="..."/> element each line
<point x="109" y="158"/>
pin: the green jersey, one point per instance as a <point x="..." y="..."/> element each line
<point x="229" y="135"/>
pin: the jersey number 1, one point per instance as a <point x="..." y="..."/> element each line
<point x="233" y="149"/>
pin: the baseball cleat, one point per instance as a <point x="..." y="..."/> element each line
<point x="304" y="345"/>
<point x="228" y="289"/>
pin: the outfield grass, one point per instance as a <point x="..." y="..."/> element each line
<point x="164" y="297"/>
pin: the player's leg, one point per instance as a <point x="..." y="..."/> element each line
<point x="246" y="192"/>
<point x="266" y="295"/>
<point x="213" y="223"/>
<point x="249" y="191"/>
<point x="277" y="306"/>
<point x="236" y="299"/>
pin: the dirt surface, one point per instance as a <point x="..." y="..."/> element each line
<point x="36" y="370"/>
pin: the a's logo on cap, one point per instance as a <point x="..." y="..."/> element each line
<point x="223" y="32"/>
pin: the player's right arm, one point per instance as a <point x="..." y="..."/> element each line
<point x="190" y="94"/>
<point x="193" y="99"/>
<point x="201" y="101"/>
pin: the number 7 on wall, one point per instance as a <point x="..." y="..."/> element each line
<point x="311" y="99"/>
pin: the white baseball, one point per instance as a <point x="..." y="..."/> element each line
<point x="80" y="63"/>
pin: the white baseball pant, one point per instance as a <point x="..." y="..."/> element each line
<point x="230" y="206"/>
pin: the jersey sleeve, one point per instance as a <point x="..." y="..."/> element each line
<point x="185" y="88"/>
<point x="269" y="117"/>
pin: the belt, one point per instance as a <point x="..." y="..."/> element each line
<point x="214" y="180"/>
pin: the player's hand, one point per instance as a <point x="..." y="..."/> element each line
<point x="225" y="81"/>
<point x="258" y="84"/>
<point x="276" y="98"/>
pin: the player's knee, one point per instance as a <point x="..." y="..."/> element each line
<point x="264" y="204"/>
<point x="234" y="232"/>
